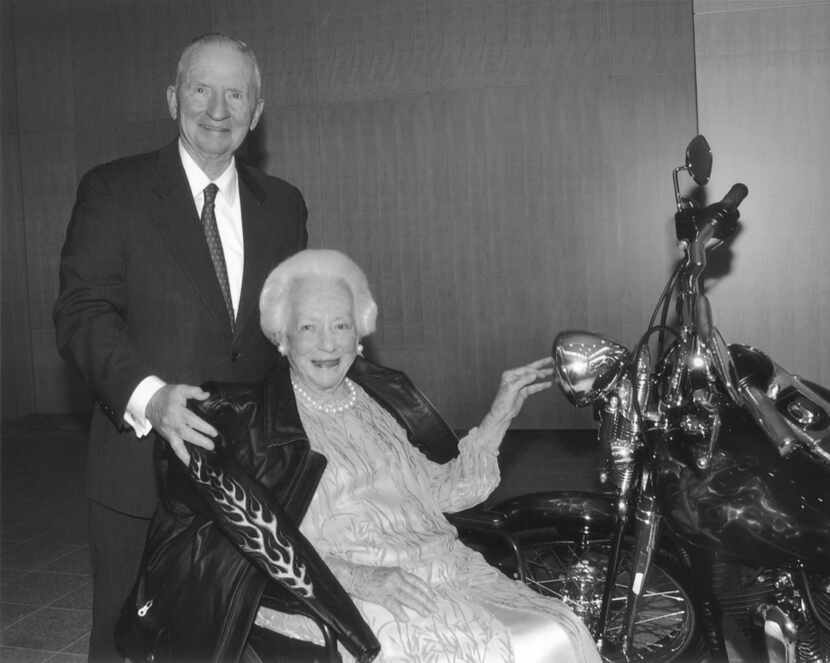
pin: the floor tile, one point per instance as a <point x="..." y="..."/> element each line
<point x="69" y="523"/>
<point x="17" y="655"/>
<point x="36" y="553"/>
<point x="11" y="612"/>
<point x="8" y="575"/>
<point x="71" y="530"/>
<point x="75" y="561"/>
<point x="80" y="599"/>
<point x="13" y="532"/>
<point x="80" y="646"/>
<point x="40" y="587"/>
<point x="66" y="657"/>
<point x="50" y="629"/>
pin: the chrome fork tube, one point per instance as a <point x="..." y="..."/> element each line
<point x="616" y="437"/>
<point x="611" y="573"/>
<point x="647" y="525"/>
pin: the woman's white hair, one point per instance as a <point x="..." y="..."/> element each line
<point x="274" y="300"/>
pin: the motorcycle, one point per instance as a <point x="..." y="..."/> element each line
<point x="716" y="481"/>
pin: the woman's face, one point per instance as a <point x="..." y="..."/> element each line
<point x="320" y="340"/>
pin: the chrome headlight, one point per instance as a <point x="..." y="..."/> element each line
<point x="587" y="365"/>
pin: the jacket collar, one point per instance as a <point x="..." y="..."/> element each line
<point x="282" y="419"/>
<point x="393" y="390"/>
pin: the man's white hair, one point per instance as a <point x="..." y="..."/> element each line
<point x="219" y="38"/>
<point x="274" y="300"/>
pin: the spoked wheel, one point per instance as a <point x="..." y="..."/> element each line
<point x="665" y="620"/>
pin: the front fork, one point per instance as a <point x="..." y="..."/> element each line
<point x="647" y="519"/>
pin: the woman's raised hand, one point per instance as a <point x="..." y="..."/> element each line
<point x="515" y="386"/>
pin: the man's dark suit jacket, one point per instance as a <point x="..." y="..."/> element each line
<point x="139" y="296"/>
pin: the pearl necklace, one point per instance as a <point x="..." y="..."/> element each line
<point x="342" y="406"/>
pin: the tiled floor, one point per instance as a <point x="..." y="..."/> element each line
<point x="45" y="586"/>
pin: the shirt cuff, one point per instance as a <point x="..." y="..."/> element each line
<point x="134" y="415"/>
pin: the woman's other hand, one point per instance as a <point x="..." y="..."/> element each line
<point x="393" y="588"/>
<point x="515" y="386"/>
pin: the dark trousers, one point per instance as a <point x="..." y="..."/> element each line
<point x="116" y="543"/>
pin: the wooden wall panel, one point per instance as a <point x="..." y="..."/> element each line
<point x="763" y="71"/>
<point x="526" y="188"/>
<point x="16" y="362"/>
<point x="501" y="168"/>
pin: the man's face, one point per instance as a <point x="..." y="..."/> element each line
<point x="215" y="103"/>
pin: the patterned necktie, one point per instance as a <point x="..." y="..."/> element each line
<point x="214" y="242"/>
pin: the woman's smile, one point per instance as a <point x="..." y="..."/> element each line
<point x="326" y="363"/>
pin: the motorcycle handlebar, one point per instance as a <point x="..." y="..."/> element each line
<point x="718" y="220"/>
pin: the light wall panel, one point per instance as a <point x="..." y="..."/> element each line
<point x="763" y="76"/>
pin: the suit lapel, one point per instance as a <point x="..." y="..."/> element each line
<point x="176" y="218"/>
<point x="258" y="247"/>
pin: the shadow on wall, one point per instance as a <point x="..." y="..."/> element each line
<point x="252" y="151"/>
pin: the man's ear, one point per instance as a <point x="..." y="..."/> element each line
<point x="172" y="102"/>
<point x="260" y="104"/>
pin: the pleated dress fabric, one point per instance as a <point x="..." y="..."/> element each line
<point x="381" y="503"/>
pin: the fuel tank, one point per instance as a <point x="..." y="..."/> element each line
<point x="749" y="503"/>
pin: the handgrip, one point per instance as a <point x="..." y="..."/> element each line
<point x="735" y="196"/>
<point x="718" y="220"/>
<point x="770" y="420"/>
<point x="723" y="216"/>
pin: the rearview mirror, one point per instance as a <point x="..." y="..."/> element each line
<point x="699" y="160"/>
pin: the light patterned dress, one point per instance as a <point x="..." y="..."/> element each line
<point x="380" y="502"/>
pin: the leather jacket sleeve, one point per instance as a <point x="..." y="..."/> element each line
<point x="259" y="528"/>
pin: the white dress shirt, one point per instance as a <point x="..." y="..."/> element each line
<point x="229" y="223"/>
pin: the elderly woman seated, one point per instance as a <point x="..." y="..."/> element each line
<point x="357" y="458"/>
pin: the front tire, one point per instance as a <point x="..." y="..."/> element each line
<point x="666" y="624"/>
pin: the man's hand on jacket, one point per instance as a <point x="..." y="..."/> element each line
<point x="168" y="413"/>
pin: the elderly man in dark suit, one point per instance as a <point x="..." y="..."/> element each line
<point x="160" y="272"/>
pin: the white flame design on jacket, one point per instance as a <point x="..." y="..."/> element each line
<point x="258" y="532"/>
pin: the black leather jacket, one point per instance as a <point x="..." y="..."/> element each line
<point x="226" y="528"/>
